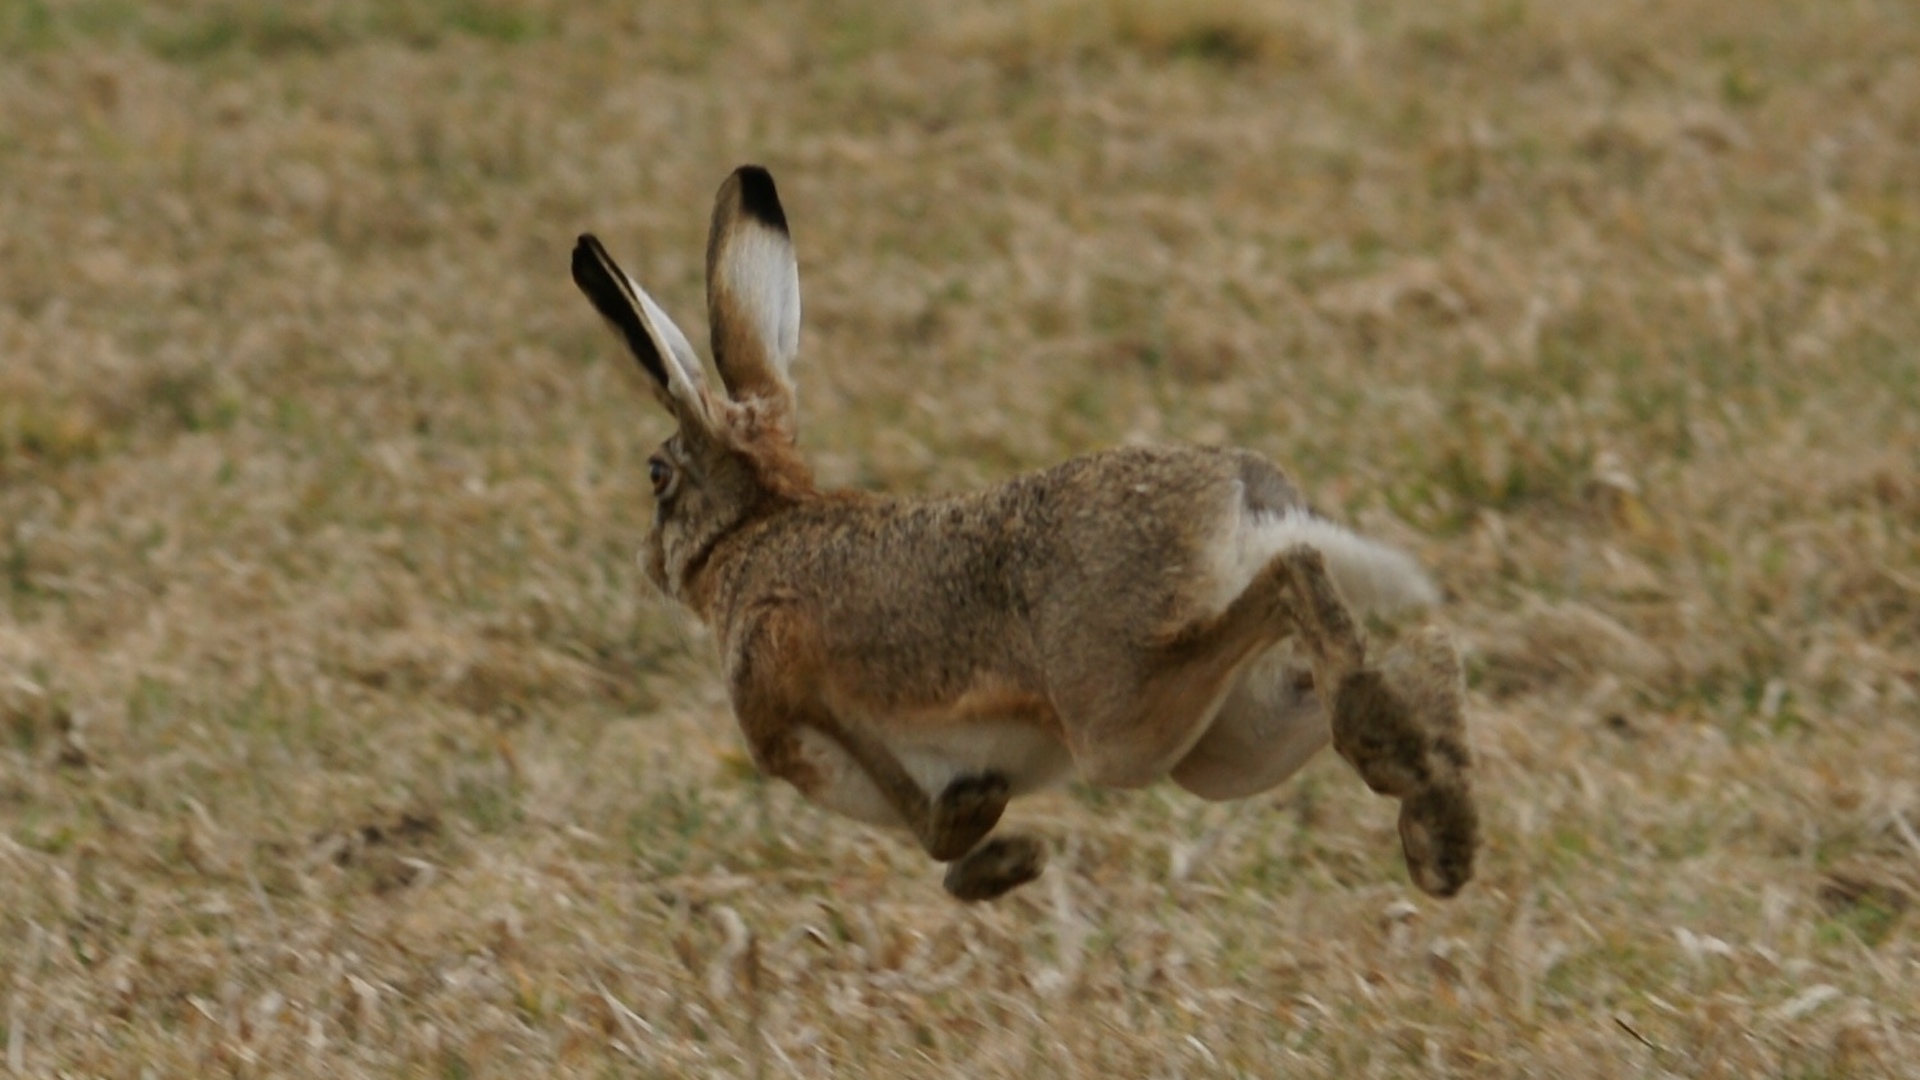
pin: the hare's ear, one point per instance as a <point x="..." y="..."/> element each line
<point x="663" y="351"/>
<point x="753" y="290"/>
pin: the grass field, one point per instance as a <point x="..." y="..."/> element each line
<point x="340" y="735"/>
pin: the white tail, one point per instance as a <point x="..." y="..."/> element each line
<point x="1373" y="578"/>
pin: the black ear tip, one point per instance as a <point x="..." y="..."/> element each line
<point x="583" y="267"/>
<point x="610" y="293"/>
<point x="758" y="198"/>
<point x="589" y="263"/>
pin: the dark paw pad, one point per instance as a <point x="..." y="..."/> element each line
<point x="971" y="793"/>
<point x="999" y="865"/>
<point x="965" y="812"/>
<point x="1439" y="832"/>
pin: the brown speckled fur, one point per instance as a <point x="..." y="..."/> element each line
<point x="1071" y="601"/>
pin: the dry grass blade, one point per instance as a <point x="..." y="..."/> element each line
<point x="1635" y="1032"/>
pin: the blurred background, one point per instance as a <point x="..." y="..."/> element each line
<point x="340" y="735"/>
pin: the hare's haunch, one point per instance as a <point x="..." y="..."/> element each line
<point x="1126" y="616"/>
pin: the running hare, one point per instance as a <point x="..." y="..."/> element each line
<point x="1125" y="616"/>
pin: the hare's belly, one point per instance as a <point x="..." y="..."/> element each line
<point x="1026" y="756"/>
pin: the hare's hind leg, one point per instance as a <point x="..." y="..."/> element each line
<point x="1399" y="725"/>
<point x="1130" y="730"/>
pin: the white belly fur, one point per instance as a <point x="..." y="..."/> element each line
<point x="1026" y="756"/>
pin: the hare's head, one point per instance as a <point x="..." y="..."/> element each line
<point x="733" y="456"/>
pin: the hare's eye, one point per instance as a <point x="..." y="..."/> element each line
<point x="660" y="472"/>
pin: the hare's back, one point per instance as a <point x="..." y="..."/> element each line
<point x="1134" y="538"/>
<point x="1115" y="537"/>
<point x="919" y="601"/>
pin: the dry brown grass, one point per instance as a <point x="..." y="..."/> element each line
<point x="339" y="738"/>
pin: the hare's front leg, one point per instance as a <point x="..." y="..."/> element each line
<point x="843" y="770"/>
<point x="952" y="826"/>
<point x="996" y="867"/>
<point x="963" y="814"/>
<point x="843" y="767"/>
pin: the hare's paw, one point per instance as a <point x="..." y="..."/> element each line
<point x="1401" y="727"/>
<point x="995" y="867"/>
<point x="1439" y="832"/>
<point x="1376" y="732"/>
<point x="1425" y="671"/>
<point x="964" y="814"/>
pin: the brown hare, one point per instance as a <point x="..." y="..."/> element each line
<point x="1126" y="616"/>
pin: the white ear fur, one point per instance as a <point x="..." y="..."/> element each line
<point x="662" y="350"/>
<point x="759" y="270"/>
<point x="686" y="380"/>
<point x="753" y="288"/>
